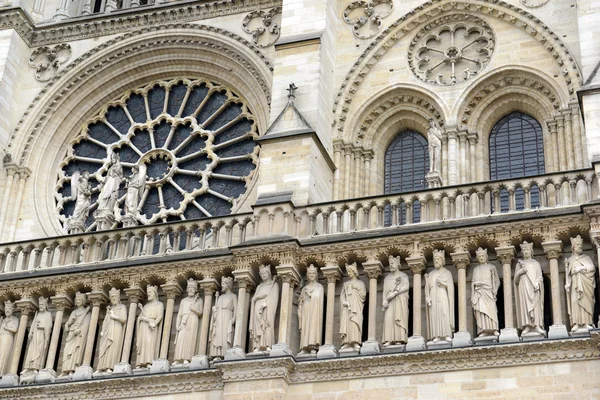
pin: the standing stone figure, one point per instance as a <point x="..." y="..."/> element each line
<point x="529" y="292"/>
<point x="149" y="327"/>
<point x="310" y="313"/>
<point x="39" y="338"/>
<point x="439" y="296"/>
<point x="135" y="188"/>
<point x="352" y="301"/>
<point x="81" y="193"/>
<point x="109" y="193"/>
<point x="76" y="331"/>
<point x="580" y="286"/>
<point x="222" y="323"/>
<point x="395" y="304"/>
<point x="262" y="311"/>
<point x="112" y="333"/>
<point x="8" y="329"/>
<point x="188" y="324"/>
<point x="484" y="289"/>
<point x="434" y="137"/>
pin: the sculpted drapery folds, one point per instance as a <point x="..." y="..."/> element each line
<point x="8" y="329"/>
<point x="262" y="311"/>
<point x="434" y="137"/>
<point x="529" y="292"/>
<point x="439" y="295"/>
<point x="107" y="199"/>
<point x="580" y="286"/>
<point x="352" y="301"/>
<point x="112" y="334"/>
<point x="395" y="304"/>
<point x="484" y="289"/>
<point x="149" y="327"/>
<point x="222" y="325"/>
<point x="188" y="323"/>
<point x="135" y="188"/>
<point x="39" y="338"/>
<point x="310" y="312"/>
<point x="81" y="192"/>
<point x="76" y="331"/>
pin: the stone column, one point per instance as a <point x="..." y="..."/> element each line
<point x="290" y="277"/>
<point x="562" y="154"/>
<point x="337" y="159"/>
<point x="246" y="280"/>
<point x="172" y="290"/>
<point x="11" y="172"/>
<point x="463" y="159"/>
<point x="369" y="182"/>
<point x="136" y="295"/>
<point x="461" y="261"/>
<point x="333" y="273"/>
<point x="577" y="136"/>
<point x="25" y="307"/>
<point x="417" y="266"/>
<point x="62" y="11"/>
<point x="553" y="161"/>
<point x="473" y="160"/>
<point x="444" y="156"/>
<point x="347" y="168"/>
<point x="452" y="157"/>
<point x="61" y="302"/>
<point x="85" y="371"/>
<point x="200" y="360"/>
<point x="373" y="269"/>
<point x="553" y="252"/>
<point x="508" y="334"/>
<point x="569" y="139"/>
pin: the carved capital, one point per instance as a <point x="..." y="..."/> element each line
<point x="97" y="298"/>
<point x="61" y="302"/>
<point x="209" y="285"/>
<point x="553" y="250"/>
<point x="417" y="264"/>
<point x="333" y="273"/>
<point x="26" y="306"/>
<point x="373" y="269"/>
<point x="135" y="294"/>
<point x="172" y="290"/>
<point x="245" y="278"/>
<point x="461" y="260"/>
<point x="506" y="254"/>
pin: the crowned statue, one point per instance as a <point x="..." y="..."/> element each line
<point x="395" y="305"/>
<point x="529" y="293"/>
<point x="263" y="308"/>
<point x="352" y="302"/>
<point x="484" y="289"/>
<point x="222" y="323"/>
<point x="439" y="298"/>
<point x="580" y="285"/>
<point x="310" y="313"/>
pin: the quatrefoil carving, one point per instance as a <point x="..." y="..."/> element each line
<point x="264" y="26"/>
<point x="47" y="61"/>
<point x="366" y="16"/>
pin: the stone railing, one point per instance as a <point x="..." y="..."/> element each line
<point x="278" y="216"/>
<point x="90" y="7"/>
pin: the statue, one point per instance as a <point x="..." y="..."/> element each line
<point x="112" y="333"/>
<point x="222" y="323"/>
<point x="188" y="325"/>
<point x="439" y="296"/>
<point x="580" y="286"/>
<point x="39" y="339"/>
<point x="395" y="305"/>
<point x="109" y="189"/>
<point x="76" y="331"/>
<point x="262" y="311"/>
<point x="529" y="292"/>
<point x="81" y="193"/>
<point x="135" y="185"/>
<point x="149" y="327"/>
<point x="434" y="137"/>
<point x="8" y="329"/>
<point x="352" y="301"/>
<point x="484" y="288"/>
<point x="310" y="313"/>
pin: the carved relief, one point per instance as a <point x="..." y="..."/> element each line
<point x="264" y="26"/>
<point x="365" y="17"/>
<point x="534" y="3"/>
<point x="47" y="61"/>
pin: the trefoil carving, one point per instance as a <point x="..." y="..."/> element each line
<point x="47" y="60"/>
<point x="264" y="26"/>
<point x="366" y="16"/>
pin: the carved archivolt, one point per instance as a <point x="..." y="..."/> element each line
<point x="47" y="61"/>
<point x="534" y="3"/>
<point x="366" y="16"/>
<point x="264" y="26"/>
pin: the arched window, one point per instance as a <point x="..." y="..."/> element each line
<point x="517" y="150"/>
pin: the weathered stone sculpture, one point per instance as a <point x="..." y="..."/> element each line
<point x="352" y="301"/>
<point x="395" y="305"/>
<point x="529" y="293"/>
<point x="310" y="313"/>
<point x="222" y="323"/>
<point x="81" y="193"/>
<point x="135" y="184"/>
<point x="188" y="325"/>
<point x="434" y="137"/>
<point x="439" y="296"/>
<point x="109" y="192"/>
<point x="262" y="311"/>
<point x="112" y="333"/>
<point x="149" y="327"/>
<point x="8" y="329"/>
<point x="39" y="338"/>
<point x="484" y="289"/>
<point x="580" y="286"/>
<point x="76" y="331"/>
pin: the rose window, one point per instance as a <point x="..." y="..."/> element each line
<point x="189" y="145"/>
<point x="451" y="49"/>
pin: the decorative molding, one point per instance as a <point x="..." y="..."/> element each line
<point x="366" y="22"/>
<point x="47" y="61"/>
<point x="256" y="369"/>
<point x="534" y="3"/>
<point x="267" y="34"/>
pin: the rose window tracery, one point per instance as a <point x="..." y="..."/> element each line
<point x="192" y="143"/>
<point x="451" y="49"/>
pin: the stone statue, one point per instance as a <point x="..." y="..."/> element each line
<point x="434" y="137"/>
<point x="310" y="313"/>
<point x="135" y="188"/>
<point x="76" y="331"/>
<point x="39" y="339"/>
<point x="529" y="292"/>
<point x="188" y="325"/>
<point x="8" y="329"/>
<point x="222" y="323"/>
<point x="149" y="327"/>
<point x="112" y="333"/>
<point x="109" y="189"/>
<point x="262" y="311"/>
<point x="352" y="301"/>
<point x="484" y="288"/>
<point x="580" y="286"/>
<point x="395" y="305"/>
<point x="81" y="193"/>
<point x="439" y="297"/>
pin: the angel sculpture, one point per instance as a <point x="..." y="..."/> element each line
<point x="81" y="193"/>
<point x="135" y="188"/>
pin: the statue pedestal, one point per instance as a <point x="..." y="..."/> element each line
<point x="9" y="380"/>
<point x="370" y="347"/>
<point x="141" y="370"/>
<point x="122" y="369"/>
<point x="558" y="332"/>
<point x="258" y="354"/>
<point x="394" y="348"/>
<point x="160" y="365"/>
<point x="349" y="352"/>
<point x="327" y="351"/>
<point x="83" y="373"/>
<point x="416" y="343"/>
<point x="486" y="340"/>
<point x="581" y="332"/>
<point x="104" y="221"/>
<point x="280" y="350"/>
<point x="28" y="377"/>
<point x="442" y="344"/>
<point x="100" y="374"/>
<point x="306" y="355"/>
<point x="509" y="335"/>
<point x="531" y="336"/>
<point x="129" y="221"/>
<point x="434" y="179"/>
<point x="46" y="376"/>
<point x="198" y="362"/>
<point x="235" y="353"/>
<point x="462" y="339"/>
